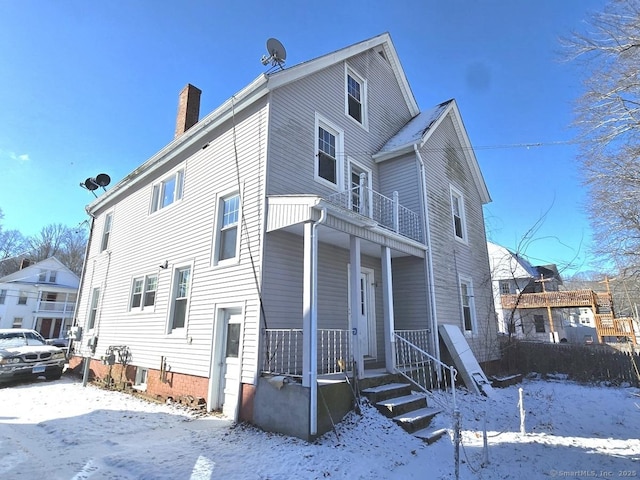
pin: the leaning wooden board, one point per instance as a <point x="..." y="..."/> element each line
<point x="464" y="360"/>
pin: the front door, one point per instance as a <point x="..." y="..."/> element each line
<point x="230" y="374"/>
<point x="365" y="320"/>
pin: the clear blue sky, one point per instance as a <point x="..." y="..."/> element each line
<point x="90" y="87"/>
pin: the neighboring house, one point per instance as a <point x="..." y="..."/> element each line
<point x="304" y="226"/>
<point x="530" y="304"/>
<point x="41" y="296"/>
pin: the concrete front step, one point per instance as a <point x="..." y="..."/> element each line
<point x="395" y="406"/>
<point x="416" y="419"/>
<point x="430" y="435"/>
<point x="387" y="391"/>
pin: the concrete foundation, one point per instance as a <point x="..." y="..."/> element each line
<point x="282" y="405"/>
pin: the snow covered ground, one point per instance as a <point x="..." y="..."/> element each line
<point x="61" y="430"/>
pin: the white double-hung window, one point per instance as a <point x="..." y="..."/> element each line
<point x="458" y="214"/>
<point x="143" y="292"/>
<point x="356" y="97"/>
<point x="468" y="306"/>
<point x="182" y="284"/>
<point x="329" y="154"/>
<point x="227" y="232"/>
<point x="167" y="191"/>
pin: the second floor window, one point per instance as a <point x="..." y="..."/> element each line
<point x="167" y="191"/>
<point x="457" y="210"/>
<point x="22" y="298"/>
<point x="505" y="288"/>
<point x="228" y="227"/>
<point x="3" y="296"/>
<point x="106" y="231"/>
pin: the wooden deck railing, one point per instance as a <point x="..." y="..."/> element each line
<point x="607" y="326"/>
<point x="570" y="298"/>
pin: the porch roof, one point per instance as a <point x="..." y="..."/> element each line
<point x="290" y="212"/>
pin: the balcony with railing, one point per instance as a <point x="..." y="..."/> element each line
<point x="566" y="299"/>
<point x="608" y="326"/>
<point x="386" y="212"/>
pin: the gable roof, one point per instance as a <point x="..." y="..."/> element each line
<point x="246" y="97"/>
<point x="33" y="270"/>
<point x="420" y="128"/>
<point x="506" y="265"/>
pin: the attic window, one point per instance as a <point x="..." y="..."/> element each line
<point x="356" y="97"/>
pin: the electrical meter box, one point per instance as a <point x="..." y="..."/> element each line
<point x="75" y="333"/>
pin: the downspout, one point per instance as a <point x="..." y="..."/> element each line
<point x="430" y="276"/>
<point x="313" y="327"/>
<point x="87" y="360"/>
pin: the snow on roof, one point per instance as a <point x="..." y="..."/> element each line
<point x="415" y="129"/>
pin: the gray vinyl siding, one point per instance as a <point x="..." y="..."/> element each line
<point x="403" y="176"/>
<point x="292" y="144"/>
<point x="410" y="294"/>
<point x="283" y="277"/>
<point x="446" y="166"/>
<point x="183" y="234"/>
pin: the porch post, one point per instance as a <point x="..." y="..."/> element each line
<point x="308" y="305"/>
<point x="354" y="252"/>
<point x="389" y="320"/>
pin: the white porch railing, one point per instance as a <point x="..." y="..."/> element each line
<point x="423" y="370"/>
<point x="387" y="212"/>
<point x="56" y="307"/>
<point x="283" y="351"/>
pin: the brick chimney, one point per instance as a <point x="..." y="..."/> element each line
<point x="188" y="109"/>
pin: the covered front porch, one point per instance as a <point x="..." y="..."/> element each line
<point x="344" y="296"/>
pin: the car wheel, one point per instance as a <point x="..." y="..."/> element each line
<point x="53" y="374"/>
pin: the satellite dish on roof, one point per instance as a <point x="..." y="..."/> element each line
<point x="90" y="184"/>
<point x="276" y="53"/>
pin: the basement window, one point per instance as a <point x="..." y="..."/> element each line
<point x="142" y="374"/>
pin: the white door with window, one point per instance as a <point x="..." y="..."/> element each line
<point x="365" y="319"/>
<point x="360" y="190"/>
<point x="230" y="366"/>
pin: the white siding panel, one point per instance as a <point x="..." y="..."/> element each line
<point x="183" y="233"/>
<point x="444" y="157"/>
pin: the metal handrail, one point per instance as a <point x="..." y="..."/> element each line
<point x="420" y="367"/>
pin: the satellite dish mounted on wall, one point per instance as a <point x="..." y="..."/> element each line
<point x="276" y="54"/>
<point x="103" y="179"/>
<point x="91" y="183"/>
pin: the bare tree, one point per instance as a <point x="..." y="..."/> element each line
<point x="64" y="243"/>
<point x="12" y="244"/>
<point x="608" y="117"/>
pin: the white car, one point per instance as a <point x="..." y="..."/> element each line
<point x="25" y="353"/>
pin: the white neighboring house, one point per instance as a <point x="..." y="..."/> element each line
<point x="41" y="296"/>
<point x="513" y="276"/>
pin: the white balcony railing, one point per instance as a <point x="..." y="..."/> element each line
<point x="283" y="351"/>
<point x="387" y="212"/>
<point x="56" y="307"/>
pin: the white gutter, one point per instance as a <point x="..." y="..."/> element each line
<point x="430" y="276"/>
<point x="313" y="327"/>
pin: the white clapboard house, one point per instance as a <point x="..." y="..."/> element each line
<point x="309" y="225"/>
